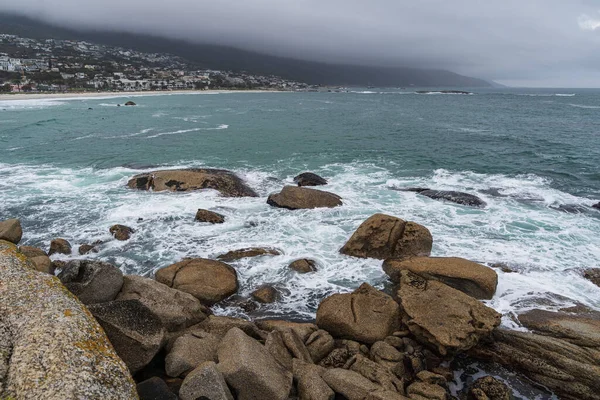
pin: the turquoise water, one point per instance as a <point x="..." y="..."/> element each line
<point x="63" y="169"/>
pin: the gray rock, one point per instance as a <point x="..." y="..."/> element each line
<point x="205" y="381"/>
<point x="189" y="351"/>
<point x="92" y="281"/>
<point x="309" y="179"/>
<point x="38" y="258"/>
<point x="11" y="231"/>
<point x="319" y="344"/>
<point x="454" y="197"/>
<point x="275" y="345"/>
<point x="155" y="389"/>
<point x="309" y="382"/>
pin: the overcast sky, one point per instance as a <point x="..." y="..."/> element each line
<point x="554" y="43"/>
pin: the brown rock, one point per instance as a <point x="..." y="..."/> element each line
<point x="430" y="377"/>
<point x="581" y="330"/>
<point x="309" y="179"/>
<point x="121" y="232"/>
<point x="302" y="329"/>
<point x="385" y="355"/>
<point x="265" y="294"/>
<point x="275" y="345"/>
<point x="383" y="236"/>
<point x="474" y="279"/>
<point x="310" y="384"/>
<point x="38" y="258"/>
<point x="303" y="266"/>
<point x="205" y="382"/>
<point x="295" y="345"/>
<point x="385" y="395"/>
<point x="426" y="391"/>
<point x="336" y="359"/>
<point x="350" y="384"/>
<point x="92" y="281"/>
<point x="295" y="198"/>
<point x="375" y="373"/>
<point x="219" y="326"/>
<point x="319" y="344"/>
<point x="365" y="315"/>
<point x="209" y="281"/>
<point x="443" y="317"/>
<point x="189" y="351"/>
<point x="247" y="253"/>
<point x="11" y="231"/>
<point x="593" y="275"/>
<point x="226" y="182"/>
<point x="86" y="248"/>
<point x="209" y="216"/>
<point x="59" y="246"/>
<point x="490" y="388"/>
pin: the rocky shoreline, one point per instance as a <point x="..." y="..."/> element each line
<point x="81" y="329"/>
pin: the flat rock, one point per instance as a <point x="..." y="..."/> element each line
<point x="443" y="317"/>
<point x="474" y="279"/>
<point x="249" y="252"/>
<point x="303" y="266"/>
<point x="210" y="281"/>
<point x="295" y="198"/>
<point x="210" y="217"/>
<point x="582" y="330"/>
<point x="135" y="332"/>
<point x="365" y="315"/>
<point x="50" y="346"/>
<point x="250" y="369"/>
<point x="92" y="281"/>
<point x="383" y="236"/>
<point x="121" y="232"/>
<point x="309" y="179"/>
<point x="11" y="231"/>
<point x="183" y="180"/>
<point x="375" y="372"/>
<point x="454" y="197"/>
<point x="189" y="351"/>
<point x="59" y="246"/>
<point x="177" y="310"/>
<point x="205" y="382"/>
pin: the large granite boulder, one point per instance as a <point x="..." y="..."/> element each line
<point x="189" y="351"/>
<point x="11" y="231"/>
<point x="309" y="382"/>
<point x="250" y="369"/>
<point x="454" y="197"/>
<point x="295" y="198"/>
<point x="205" y="382"/>
<point x="474" y="279"/>
<point x="249" y="252"/>
<point x="183" y="180"/>
<point x="59" y="246"/>
<point x="50" y="346"/>
<point x="135" y="332"/>
<point x="309" y="179"/>
<point x="319" y="344"/>
<point x="209" y="281"/>
<point x="92" y="281"/>
<point x="177" y="310"/>
<point x="38" y="258"/>
<point x="365" y="315"/>
<point x="383" y="236"/>
<point x="444" y="318"/>
<point x="210" y="217"/>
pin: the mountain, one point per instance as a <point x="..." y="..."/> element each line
<point x="218" y="57"/>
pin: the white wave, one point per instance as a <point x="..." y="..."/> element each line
<point x="128" y="135"/>
<point x="29" y="104"/>
<point x="363" y="92"/>
<point x="584" y="106"/>
<point x="565" y="94"/>
<point x="222" y="126"/>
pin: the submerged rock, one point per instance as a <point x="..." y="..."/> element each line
<point x="454" y="197"/>
<point x="11" y="231"/>
<point x="265" y="294"/>
<point x="209" y="216"/>
<point x="59" y="246"/>
<point x="383" y="236"/>
<point x="593" y="275"/>
<point x="92" y="281"/>
<point x="87" y="248"/>
<point x="183" y="180"/>
<point x="309" y="179"/>
<point x="596" y="206"/>
<point x="304" y="266"/>
<point x="247" y="253"/>
<point x="296" y="198"/>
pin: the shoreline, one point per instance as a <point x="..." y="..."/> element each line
<point x="84" y="95"/>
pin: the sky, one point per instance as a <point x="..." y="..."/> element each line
<point x="533" y="43"/>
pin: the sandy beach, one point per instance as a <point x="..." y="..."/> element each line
<point x="34" y="96"/>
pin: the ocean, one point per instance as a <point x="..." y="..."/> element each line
<point x="64" y="164"/>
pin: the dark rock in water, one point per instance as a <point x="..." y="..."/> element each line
<point x="596" y="206"/>
<point x="130" y="103"/>
<point x="209" y="216"/>
<point x="60" y="246"/>
<point x="92" y="281"/>
<point x="593" y="275"/>
<point x="493" y="192"/>
<point x="571" y="208"/>
<point x="86" y="248"/>
<point x="265" y="294"/>
<point x="11" y="231"/>
<point x="295" y="198"/>
<point x="303" y="266"/>
<point x="121" y="232"/>
<point x="309" y="179"/>
<point x="410" y="189"/>
<point x="183" y="180"/>
<point x="454" y="197"/>
<point x="155" y="389"/>
<point x="247" y="253"/>
<point x="490" y="388"/>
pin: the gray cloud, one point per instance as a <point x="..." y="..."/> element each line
<point x="528" y="43"/>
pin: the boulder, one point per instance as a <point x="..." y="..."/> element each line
<point x="38" y="258"/>
<point x="385" y="395"/>
<point x="365" y="315"/>
<point x="59" y="246"/>
<point x="209" y="281"/>
<point x="383" y="236"/>
<point x="304" y="266"/>
<point x="250" y="369"/>
<point x="349" y="384"/>
<point x="209" y="216"/>
<point x="581" y="330"/>
<point x="11" y="231"/>
<point x="130" y="103"/>
<point x="219" y="326"/>
<point x="276" y="346"/>
<point x="385" y="354"/>
<point x="319" y="344"/>
<point x="87" y="248"/>
<point x="50" y="346"/>
<point x="596" y="206"/>
<point x="295" y="345"/>
<point x="265" y="294"/>
<point x="302" y="329"/>
<point x="121" y="232"/>
<point x="177" y="310"/>
<point x="309" y="179"/>
<point x="474" y="279"/>
<point x="92" y="281"/>
<point x="155" y="389"/>
<point x="135" y="332"/>
<point x="443" y="317"/>
<point x="309" y="382"/>
<point x="489" y="388"/>
<point x="189" y="351"/>
<point x="205" y="382"/>
<point x="234" y="255"/>
<point x="593" y="275"/>
<point x="454" y="197"/>
<point x="375" y="373"/>
<point x="426" y="391"/>
<point x="295" y="198"/>
<point x="184" y="180"/>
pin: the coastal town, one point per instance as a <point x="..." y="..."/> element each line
<point x="51" y="65"/>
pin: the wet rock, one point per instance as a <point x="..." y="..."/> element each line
<point x="92" y="281"/>
<point x="205" y="382"/>
<point x="209" y="216"/>
<point x="309" y="179"/>
<point x="135" y="332"/>
<point x="302" y="329"/>
<point x="155" y="389"/>
<point x="248" y="253"/>
<point x="11" y="231"/>
<point x="209" y="281"/>
<point x="454" y="197"/>
<point x="426" y="391"/>
<point x="303" y="266"/>
<point x="130" y="103"/>
<point x="295" y="198"/>
<point x="309" y="382"/>
<point x="319" y="344"/>
<point x="59" y="246"/>
<point x="571" y="208"/>
<point x="265" y="294"/>
<point x="87" y="248"/>
<point x="183" y="180"/>
<point x="443" y="317"/>
<point x="189" y="351"/>
<point x="38" y="258"/>
<point x="365" y="315"/>
<point x="50" y="346"/>
<point x="250" y="369"/>
<point x="383" y="236"/>
<point x="121" y="232"/>
<point x="489" y="388"/>
<point x="596" y="206"/>
<point x="177" y="310"/>
<point x="593" y="275"/>
<point x="474" y="279"/>
<point x="410" y="189"/>
<point x="350" y="384"/>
